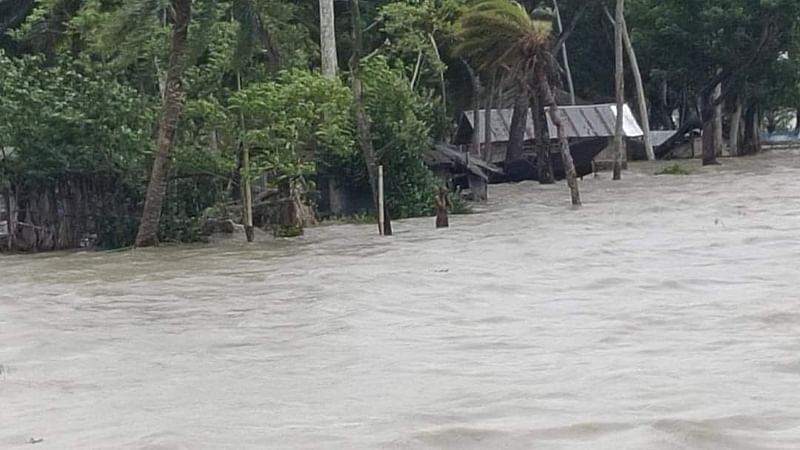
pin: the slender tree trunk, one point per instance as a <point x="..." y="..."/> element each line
<point x="442" y="84"/>
<point x="619" y="142"/>
<point x="669" y="122"/>
<point x="684" y="113"/>
<point x="797" y="121"/>
<point x="541" y="131"/>
<point x="772" y="122"/>
<point x="718" y="139"/>
<point x="736" y="120"/>
<point x="748" y="146"/>
<point x="707" y="114"/>
<point x="247" y="195"/>
<point x="641" y="96"/>
<point x="567" y="69"/>
<point x="170" y="114"/>
<point x="489" y="144"/>
<point x="757" y="130"/>
<point x="327" y="37"/>
<point x="548" y="99"/>
<point x="660" y="113"/>
<point x="516" y="133"/>
<point x="476" y="109"/>
<point x="363" y="123"/>
<point x="11" y="224"/>
<point x="245" y="176"/>
<point x="417" y="68"/>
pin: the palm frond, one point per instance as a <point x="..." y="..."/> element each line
<point x="500" y="35"/>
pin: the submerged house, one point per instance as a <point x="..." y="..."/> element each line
<point x="668" y="145"/>
<point x="461" y="170"/>
<point x="589" y="128"/>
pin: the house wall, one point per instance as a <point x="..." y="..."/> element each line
<point x="691" y="149"/>
<point x="342" y="200"/>
<point x="69" y="214"/>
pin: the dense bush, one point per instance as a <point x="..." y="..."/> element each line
<point x="401" y="133"/>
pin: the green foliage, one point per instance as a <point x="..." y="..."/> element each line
<point x="294" y="121"/>
<point x="689" y="41"/>
<point x="501" y="35"/>
<point x="460" y="206"/>
<point x="75" y="122"/>
<point x="71" y="118"/>
<point x="674" y="169"/>
<point x="401" y="133"/>
<point x="418" y="28"/>
<point x="289" y="231"/>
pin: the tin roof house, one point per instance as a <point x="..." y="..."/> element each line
<point x="589" y="128"/>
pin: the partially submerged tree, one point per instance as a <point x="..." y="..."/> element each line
<point x="168" y="124"/>
<point x="619" y="83"/>
<point x="500" y="35"/>
<point x="362" y="119"/>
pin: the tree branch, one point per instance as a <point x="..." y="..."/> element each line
<point x="567" y="32"/>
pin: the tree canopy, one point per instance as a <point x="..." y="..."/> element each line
<point x="83" y="80"/>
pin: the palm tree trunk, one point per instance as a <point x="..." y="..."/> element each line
<point x="541" y="131"/>
<point x="619" y="142"/>
<point x="170" y="114"/>
<point x="327" y="38"/>
<point x="516" y="132"/>
<point x="548" y="99"/>
<point x="363" y="122"/>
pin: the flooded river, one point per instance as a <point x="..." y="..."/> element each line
<point x="665" y="314"/>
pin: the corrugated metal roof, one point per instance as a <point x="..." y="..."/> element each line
<point x="450" y="154"/>
<point x="658" y="137"/>
<point x="581" y="121"/>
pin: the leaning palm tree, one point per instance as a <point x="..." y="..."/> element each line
<point x="499" y="35"/>
<point x="171" y="110"/>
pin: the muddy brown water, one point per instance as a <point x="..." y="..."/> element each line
<point x="665" y="314"/>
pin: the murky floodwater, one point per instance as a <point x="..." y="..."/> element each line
<point x="665" y="314"/>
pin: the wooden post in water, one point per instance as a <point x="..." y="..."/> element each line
<point x="244" y="175"/>
<point x="380" y="201"/>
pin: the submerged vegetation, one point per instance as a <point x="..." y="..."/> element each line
<point x="674" y="169"/>
<point x="185" y="112"/>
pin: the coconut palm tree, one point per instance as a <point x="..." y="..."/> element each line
<point x="500" y="35"/>
<point x="171" y="110"/>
